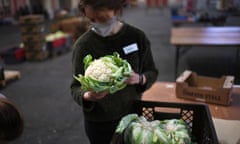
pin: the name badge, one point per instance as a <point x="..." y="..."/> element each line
<point x="130" y="48"/>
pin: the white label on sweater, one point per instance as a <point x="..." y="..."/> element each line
<point x="130" y="48"/>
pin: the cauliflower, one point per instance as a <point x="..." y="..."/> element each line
<point x="98" y="70"/>
<point x="107" y="73"/>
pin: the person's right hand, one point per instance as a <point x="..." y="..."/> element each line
<point x="93" y="96"/>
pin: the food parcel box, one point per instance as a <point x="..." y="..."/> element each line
<point x="191" y="86"/>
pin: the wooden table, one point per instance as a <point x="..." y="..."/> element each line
<point x="165" y="92"/>
<point x="188" y="19"/>
<point x="204" y="37"/>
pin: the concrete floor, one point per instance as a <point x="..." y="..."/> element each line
<point x="43" y="93"/>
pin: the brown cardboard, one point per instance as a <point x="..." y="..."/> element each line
<point x="36" y="46"/>
<point x="32" y="28"/>
<point x="36" y="56"/>
<point x="33" y="38"/>
<point x="191" y="86"/>
<point x="31" y="19"/>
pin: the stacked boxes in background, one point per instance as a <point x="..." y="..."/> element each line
<point x="58" y="43"/>
<point x="75" y="26"/>
<point x="33" y="37"/>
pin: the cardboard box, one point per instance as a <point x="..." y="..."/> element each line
<point x="55" y="26"/>
<point x="36" y="56"/>
<point x="9" y="75"/>
<point x="31" y="19"/>
<point x="33" y="38"/>
<point x="191" y="86"/>
<point x="32" y="28"/>
<point x="36" y="47"/>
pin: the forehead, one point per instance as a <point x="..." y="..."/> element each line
<point x="101" y="13"/>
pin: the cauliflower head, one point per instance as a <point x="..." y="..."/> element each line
<point x="99" y="70"/>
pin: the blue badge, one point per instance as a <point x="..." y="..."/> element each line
<point x="130" y="48"/>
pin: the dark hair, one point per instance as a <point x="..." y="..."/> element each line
<point x="11" y="120"/>
<point x="98" y="4"/>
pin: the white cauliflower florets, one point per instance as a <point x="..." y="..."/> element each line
<point x="98" y="70"/>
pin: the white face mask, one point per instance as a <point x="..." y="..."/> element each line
<point x="105" y="29"/>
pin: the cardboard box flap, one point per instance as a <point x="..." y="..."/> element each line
<point x="183" y="77"/>
<point x="228" y="83"/>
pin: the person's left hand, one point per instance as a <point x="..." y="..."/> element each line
<point x="93" y="96"/>
<point x="134" y="78"/>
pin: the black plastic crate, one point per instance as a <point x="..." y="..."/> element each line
<point x="197" y="117"/>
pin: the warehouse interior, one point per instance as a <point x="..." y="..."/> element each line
<point x="40" y="82"/>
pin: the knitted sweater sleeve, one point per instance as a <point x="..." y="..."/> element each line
<point x="78" y="68"/>
<point x="147" y="64"/>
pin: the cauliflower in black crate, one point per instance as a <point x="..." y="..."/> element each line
<point x="134" y="129"/>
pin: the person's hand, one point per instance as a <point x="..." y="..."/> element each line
<point x="93" y="96"/>
<point x="134" y="78"/>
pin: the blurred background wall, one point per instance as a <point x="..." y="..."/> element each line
<point x="12" y="9"/>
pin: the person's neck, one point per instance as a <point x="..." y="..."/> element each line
<point x="117" y="28"/>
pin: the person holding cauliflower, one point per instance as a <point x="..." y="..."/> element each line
<point x="112" y="65"/>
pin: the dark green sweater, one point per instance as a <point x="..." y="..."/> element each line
<point x="114" y="106"/>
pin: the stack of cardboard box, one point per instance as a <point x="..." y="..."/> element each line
<point x="33" y="37"/>
<point x="133" y="3"/>
<point x="75" y="26"/>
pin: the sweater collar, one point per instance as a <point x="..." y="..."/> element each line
<point x="120" y="32"/>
